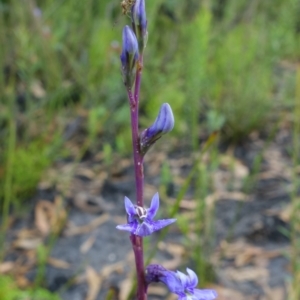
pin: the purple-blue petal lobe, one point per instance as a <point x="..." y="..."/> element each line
<point x="159" y="224"/>
<point x="128" y="227"/>
<point x="151" y="212"/>
<point x="193" y="279"/>
<point x="129" y="207"/>
<point x="144" y="229"/>
<point x="205" y="294"/>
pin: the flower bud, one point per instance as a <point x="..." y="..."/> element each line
<point x="163" y="124"/>
<point x="139" y="23"/>
<point x="129" y="56"/>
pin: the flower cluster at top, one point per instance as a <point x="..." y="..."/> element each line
<point x="134" y="42"/>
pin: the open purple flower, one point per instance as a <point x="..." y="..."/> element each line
<point x="140" y="219"/>
<point x="178" y="283"/>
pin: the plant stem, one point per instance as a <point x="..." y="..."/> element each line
<point x="137" y="241"/>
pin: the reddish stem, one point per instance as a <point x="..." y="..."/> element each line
<point x="137" y="241"/>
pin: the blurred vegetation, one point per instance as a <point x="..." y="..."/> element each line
<point x="10" y="291"/>
<point x="223" y="65"/>
<point x="220" y="64"/>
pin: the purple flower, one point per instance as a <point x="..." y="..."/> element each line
<point x="184" y="286"/>
<point x="129" y="56"/>
<point x="162" y="125"/>
<point x="140" y="219"/>
<point x="139" y="22"/>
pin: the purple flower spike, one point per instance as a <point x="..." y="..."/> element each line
<point x="129" y="56"/>
<point x="140" y="219"/>
<point x="139" y="23"/>
<point x="184" y="286"/>
<point x="162" y="125"/>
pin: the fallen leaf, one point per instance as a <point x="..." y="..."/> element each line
<point x="94" y="282"/>
<point x="89" y="203"/>
<point x="58" y="263"/>
<point x="6" y="266"/>
<point x="86" y="246"/>
<point x="228" y="294"/>
<point x="43" y="211"/>
<point x="22" y="281"/>
<point x="247" y="274"/>
<point x="88" y="227"/>
<point x="27" y="244"/>
<point x="50" y="216"/>
<point x="276" y="293"/>
<point x="125" y="288"/>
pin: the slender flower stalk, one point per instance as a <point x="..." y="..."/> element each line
<point x="140" y="220"/>
<point x="137" y="241"/>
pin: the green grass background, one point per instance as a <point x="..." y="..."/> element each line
<point x="227" y="65"/>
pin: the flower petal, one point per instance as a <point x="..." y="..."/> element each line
<point x="129" y="207"/>
<point x="171" y="280"/>
<point x="144" y="229"/>
<point x="193" y="279"/>
<point x="205" y="294"/>
<point x="183" y="278"/>
<point x="131" y="227"/>
<point x="151" y="212"/>
<point x="159" y="224"/>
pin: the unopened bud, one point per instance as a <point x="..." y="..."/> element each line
<point x="129" y="56"/>
<point x="162" y="125"/>
<point x="139" y="22"/>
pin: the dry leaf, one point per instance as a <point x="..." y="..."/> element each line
<point x="58" y="263"/>
<point x="50" y="217"/>
<point x="117" y="267"/>
<point x="276" y="293"/>
<point x="157" y="290"/>
<point x="232" y="172"/>
<point x="86" y="172"/>
<point x="244" y="253"/>
<point x="228" y="294"/>
<point x="247" y="274"/>
<point x="27" y="243"/>
<point x="88" y="227"/>
<point x="37" y="89"/>
<point x="125" y="288"/>
<point x="89" y="203"/>
<point x="6" y="266"/>
<point x="94" y="282"/>
<point x="22" y="281"/>
<point x="43" y="211"/>
<point x="86" y="246"/>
